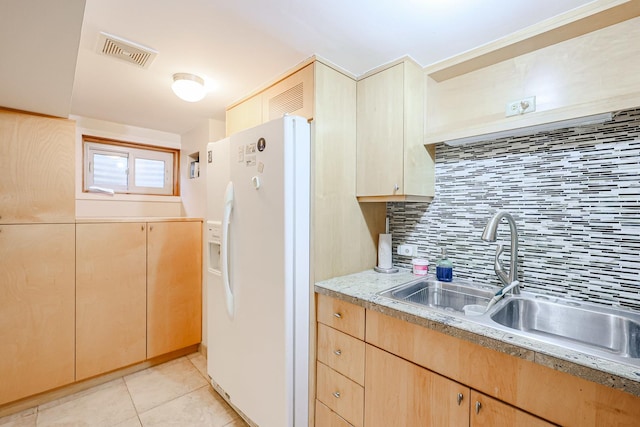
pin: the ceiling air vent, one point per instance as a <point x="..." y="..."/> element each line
<point x="126" y="50"/>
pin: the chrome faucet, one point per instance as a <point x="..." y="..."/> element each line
<point x="489" y="235"/>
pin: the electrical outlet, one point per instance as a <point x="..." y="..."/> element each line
<point x="521" y="106"/>
<point x="407" y="250"/>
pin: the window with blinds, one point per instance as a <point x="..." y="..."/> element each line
<point x="123" y="167"/>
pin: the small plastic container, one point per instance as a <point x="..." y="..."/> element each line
<point x="420" y="266"/>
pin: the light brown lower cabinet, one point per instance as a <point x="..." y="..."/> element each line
<point x="37" y="266"/>
<point x="174" y="286"/>
<point x="509" y="388"/>
<point x="80" y="300"/>
<point x="400" y="393"/>
<point x="111" y="293"/>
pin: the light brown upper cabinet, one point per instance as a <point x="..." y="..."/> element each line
<point x="36" y="308"/>
<point x="291" y="95"/>
<point x="174" y="286"/>
<point x="111" y="290"/>
<point x="392" y="162"/>
<point x="576" y="77"/>
<point x="37" y="169"/>
<point x="244" y="115"/>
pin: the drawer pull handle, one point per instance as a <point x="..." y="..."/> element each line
<point x="460" y="397"/>
<point x="478" y="406"/>
<point x="336" y="394"/>
<point x="337" y="352"/>
<point x="337" y="315"/>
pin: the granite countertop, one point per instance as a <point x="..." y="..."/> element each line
<point x="362" y="288"/>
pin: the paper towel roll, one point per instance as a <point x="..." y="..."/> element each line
<point x="384" y="251"/>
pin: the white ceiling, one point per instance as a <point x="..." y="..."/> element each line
<point x="235" y="45"/>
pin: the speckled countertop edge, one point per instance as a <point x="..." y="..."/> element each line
<point x="362" y="288"/>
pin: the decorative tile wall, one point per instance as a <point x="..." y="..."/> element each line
<point x="575" y="195"/>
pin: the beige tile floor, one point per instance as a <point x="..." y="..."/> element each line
<point x="176" y="393"/>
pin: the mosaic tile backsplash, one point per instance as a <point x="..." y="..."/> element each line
<point x="575" y="195"/>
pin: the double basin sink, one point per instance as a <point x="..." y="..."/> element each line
<point x="600" y="331"/>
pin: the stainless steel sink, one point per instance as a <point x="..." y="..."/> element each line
<point x="612" y="331"/>
<point x="447" y="296"/>
<point x="608" y="332"/>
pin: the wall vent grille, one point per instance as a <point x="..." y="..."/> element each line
<point x="125" y="50"/>
<point x="286" y="102"/>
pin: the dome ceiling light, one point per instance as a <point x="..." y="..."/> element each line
<point x="188" y="87"/>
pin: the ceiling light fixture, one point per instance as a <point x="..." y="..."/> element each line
<point x="188" y="87"/>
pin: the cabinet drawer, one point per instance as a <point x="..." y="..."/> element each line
<point x="341" y="352"/>
<point x="341" y="315"/>
<point x="325" y="417"/>
<point x="340" y="394"/>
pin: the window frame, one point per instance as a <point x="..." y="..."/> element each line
<point x="94" y="144"/>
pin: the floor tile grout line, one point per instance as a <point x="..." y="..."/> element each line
<point x="133" y="403"/>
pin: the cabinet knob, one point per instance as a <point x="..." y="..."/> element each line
<point x="142" y="228"/>
<point x="337" y="352"/>
<point x="336" y="394"/>
<point x="460" y="397"/>
<point x="151" y="228"/>
<point x="337" y="315"/>
<point x="478" y="406"/>
<point x="396" y="187"/>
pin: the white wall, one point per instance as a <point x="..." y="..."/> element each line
<point x="122" y="205"/>
<point x="193" y="191"/>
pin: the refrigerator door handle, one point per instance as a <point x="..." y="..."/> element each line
<point x="224" y="250"/>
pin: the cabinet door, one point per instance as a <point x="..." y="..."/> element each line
<point x="110" y="297"/>
<point x="37" y="169"/>
<point x="245" y="115"/>
<point x="399" y="393"/>
<point x="489" y="412"/>
<point x="380" y="134"/>
<point x="36" y="308"/>
<point x="174" y="286"/>
<point x="293" y="95"/>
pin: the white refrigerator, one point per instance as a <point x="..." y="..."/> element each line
<point x="258" y="215"/>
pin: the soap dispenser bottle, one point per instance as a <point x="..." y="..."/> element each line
<point x="444" y="268"/>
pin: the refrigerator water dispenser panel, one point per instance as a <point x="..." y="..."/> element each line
<point x="213" y="243"/>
